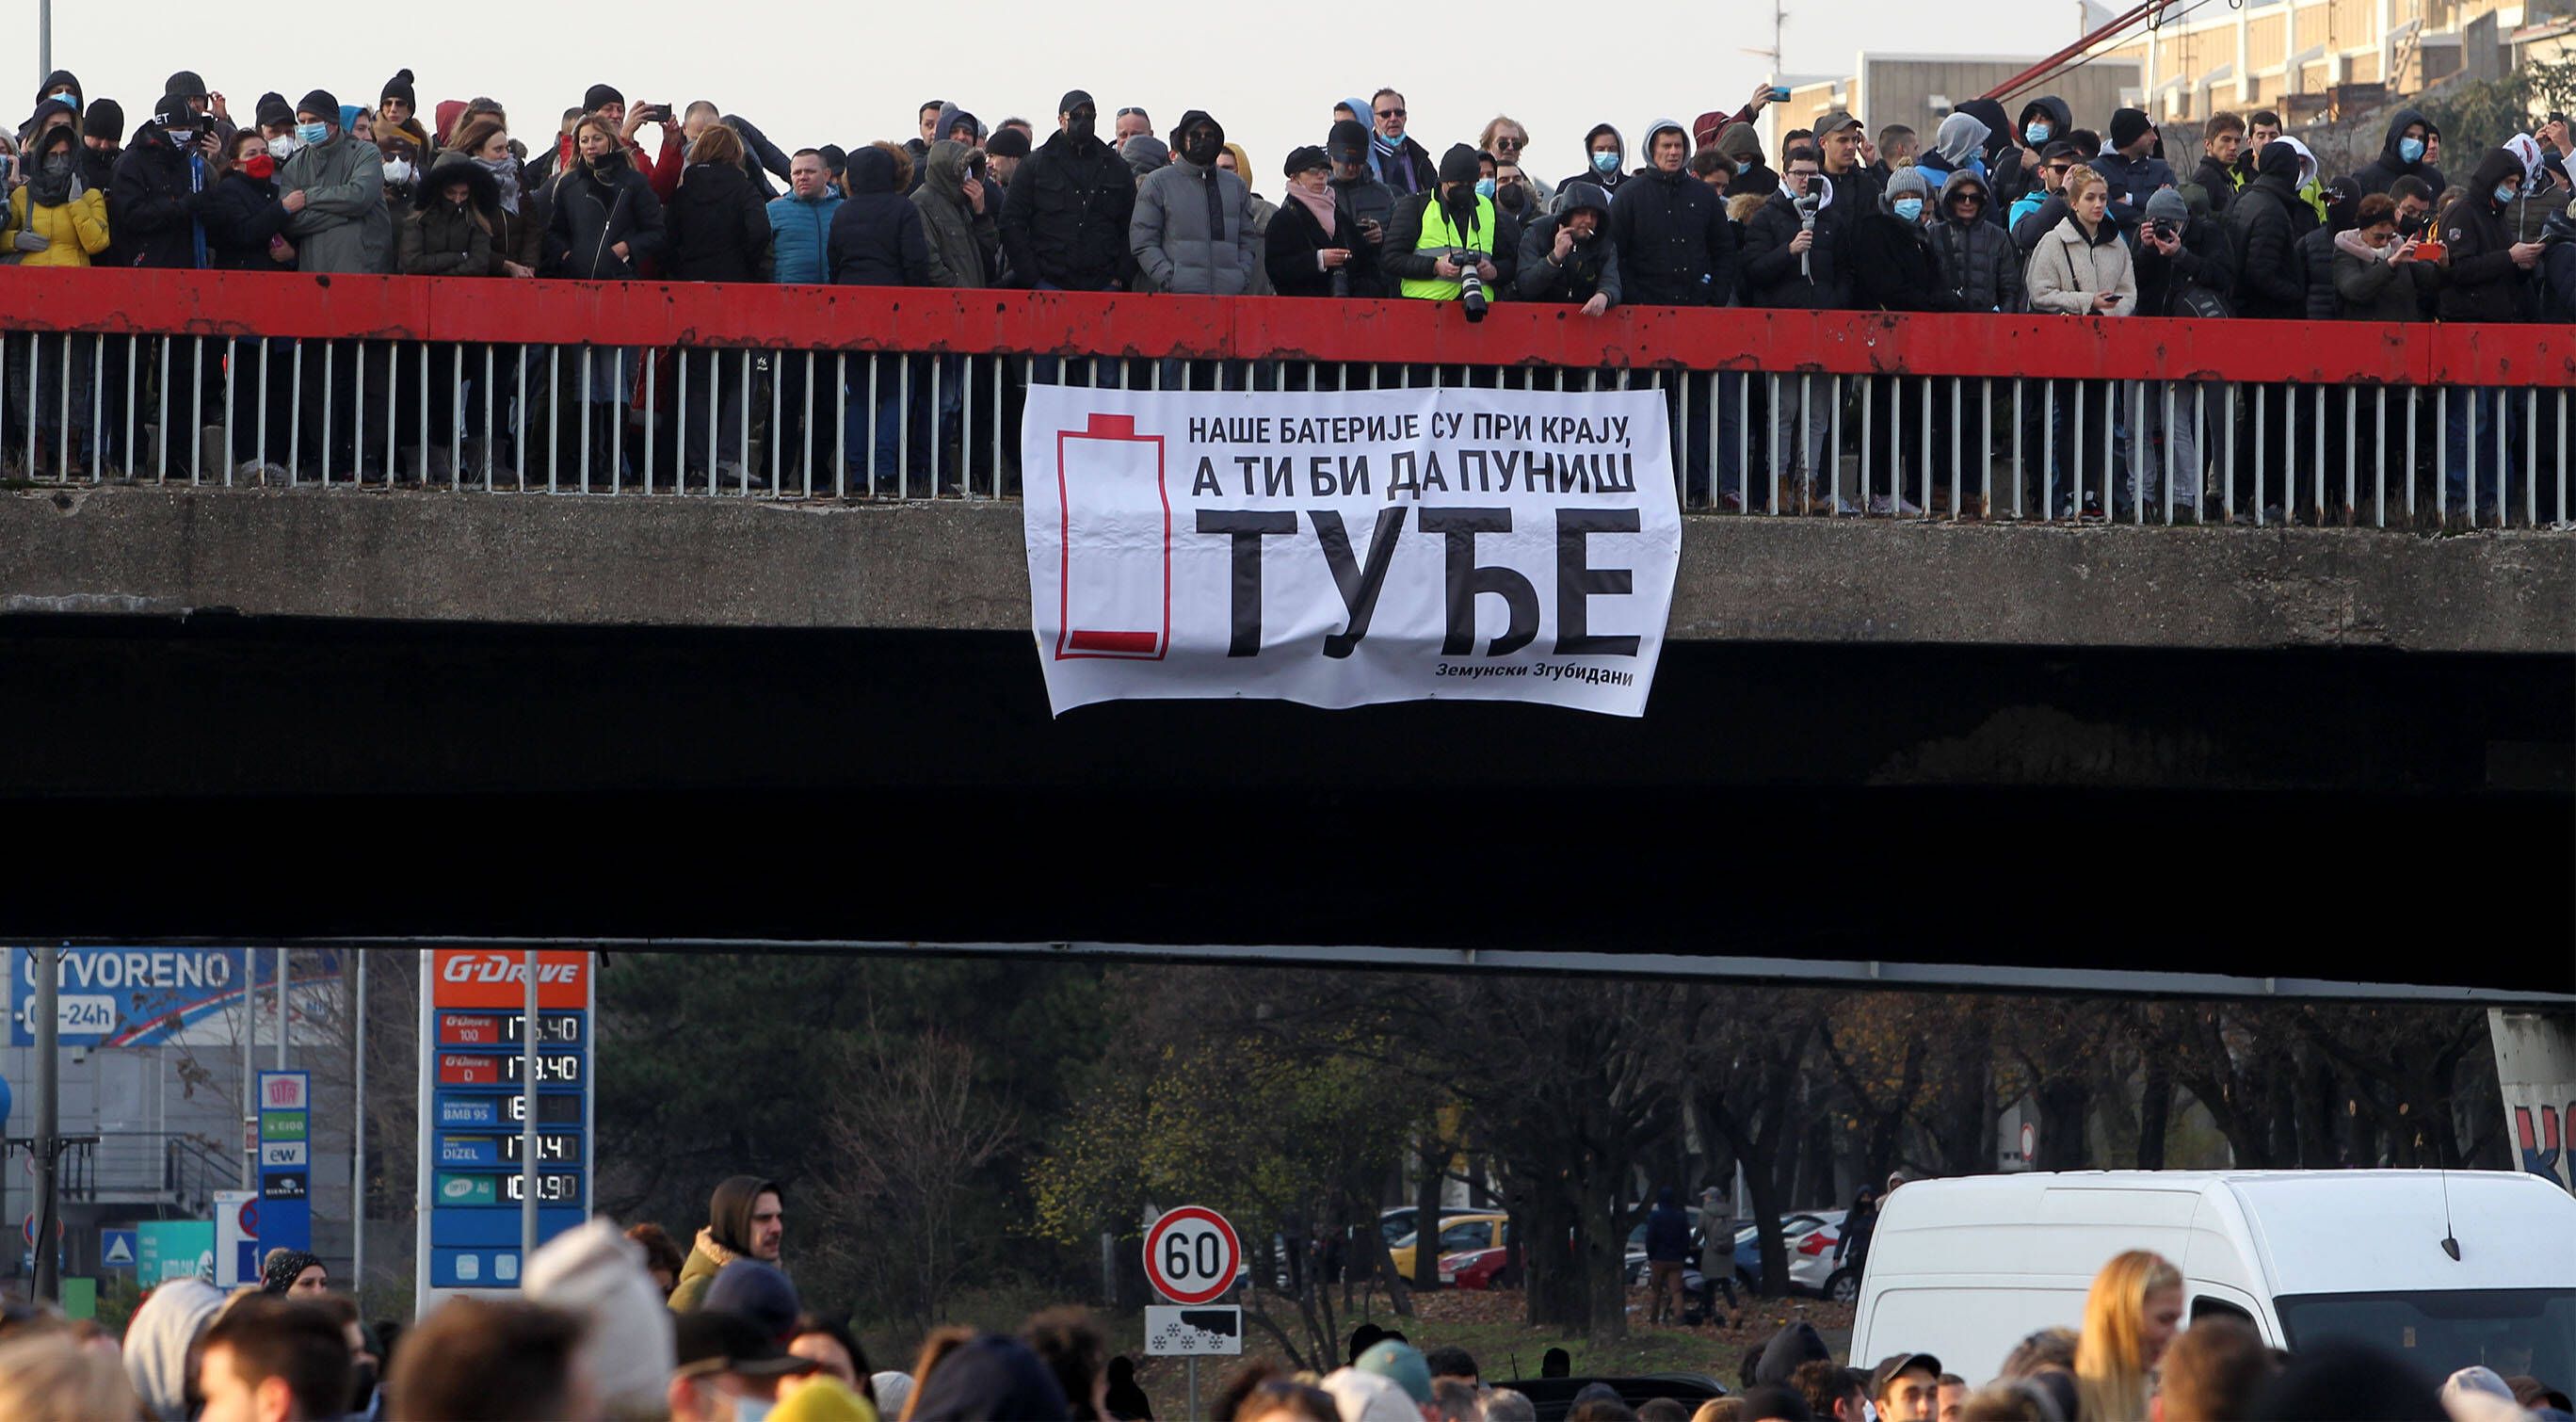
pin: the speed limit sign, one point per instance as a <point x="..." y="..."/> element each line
<point x="1192" y="1255"/>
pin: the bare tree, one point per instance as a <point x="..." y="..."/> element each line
<point x="905" y="1133"/>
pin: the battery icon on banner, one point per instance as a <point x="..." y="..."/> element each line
<point x="1116" y="582"/>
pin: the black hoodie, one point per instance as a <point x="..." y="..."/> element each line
<point x="1608" y="182"/>
<point x="2480" y="281"/>
<point x="877" y="237"/>
<point x="2264" y="230"/>
<point x="1797" y="1344"/>
<point x="2061" y="121"/>
<point x="2381" y="173"/>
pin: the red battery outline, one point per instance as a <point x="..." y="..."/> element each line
<point x="1129" y="643"/>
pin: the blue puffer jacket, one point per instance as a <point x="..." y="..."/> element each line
<point x="801" y="238"/>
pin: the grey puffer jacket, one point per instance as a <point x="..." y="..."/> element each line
<point x="965" y="245"/>
<point x="1979" y="263"/>
<point x="1193" y="232"/>
<point x="344" y="226"/>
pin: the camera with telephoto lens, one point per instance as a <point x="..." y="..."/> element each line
<point x="2164" y="229"/>
<point x="1471" y="286"/>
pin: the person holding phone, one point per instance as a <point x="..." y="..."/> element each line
<point x="1370" y="203"/>
<point x="2082" y="268"/>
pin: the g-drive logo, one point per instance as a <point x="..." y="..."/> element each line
<point x="505" y="968"/>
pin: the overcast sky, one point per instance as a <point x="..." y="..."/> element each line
<point x="810" y="72"/>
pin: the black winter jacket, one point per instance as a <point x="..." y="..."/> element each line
<point x="1676" y="247"/>
<point x="242" y="214"/>
<point x="2381" y="173"/>
<point x="1591" y="268"/>
<point x="2316" y="269"/>
<point x="877" y="237"/>
<point x="1979" y="264"/>
<point x="2217" y="181"/>
<point x="2264" y="234"/>
<point x="1289" y="248"/>
<point x="1893" y="267"/>
<point x="1771" y="274"/>
<point x="593" y="212"/>
<point x="153" y="206"/>
<point x="1065" y="222"/>
<point x="2480" y="281"/>
<point x="2203" y="261"/>
<point x="718" y="225"/>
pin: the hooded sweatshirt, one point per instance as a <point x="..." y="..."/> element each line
<point x="1192" y="233"/>
<point x="877" y="240"/>
<point x="157" y="1343"/>
<point x="1608" y="181"/>
<point x="1591" y="269"/>
<point x="2381" y="173"/>
<point x="1791" y="1346"/>
<point x="1676" y="247"/>
<point x="727" y="1236"/>
<point x="1957" y="146"/>
<point x="2480" y="282"/>
<point x="1741" y="143"/>
<point x="2263" y="225"/>
<point x="597" y="1274"/>
<point x="2048" y="109"/>
<point x="965" y="245"/>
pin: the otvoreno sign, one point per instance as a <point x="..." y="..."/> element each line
<point x="1345" y="548"/>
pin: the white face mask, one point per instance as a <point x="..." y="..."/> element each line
<point x="282" y="147"/>
<point x="398" y="170"/>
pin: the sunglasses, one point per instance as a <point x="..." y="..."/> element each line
<point x="1390" y="113"/>
<point x="1131" y="113"/>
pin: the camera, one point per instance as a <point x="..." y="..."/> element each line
<point x="1471" y="286"/>
<point x="2164" y="229"/>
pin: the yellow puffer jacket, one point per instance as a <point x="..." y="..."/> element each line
<point x="77" y="229"/>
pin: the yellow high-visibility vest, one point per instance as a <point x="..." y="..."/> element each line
<point x="1440" y="239"/>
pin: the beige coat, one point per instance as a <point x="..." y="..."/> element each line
<point x="2067" y="270"/>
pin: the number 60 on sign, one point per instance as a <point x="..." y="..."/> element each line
<point x="1192" y="1255"/>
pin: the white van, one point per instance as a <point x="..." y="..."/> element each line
<point x="1964" y="1269"/>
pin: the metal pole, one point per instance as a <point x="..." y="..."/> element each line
<point x="250" y="1051"/>
<point x="49" y="970"/>
<point x="1194" y="1385"/>
<point x="424" y="1174"/>
<point x="44" y="39"/>
<point x="528" y="1121"/>
<point x="281" y="1009"/>
<point x="358" y="1140"/>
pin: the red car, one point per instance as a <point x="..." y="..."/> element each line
<point x="1481" y="1268"/>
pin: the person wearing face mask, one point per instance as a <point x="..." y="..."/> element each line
<point x="1516" y="192"/>
<point x="1313" y="247"/>
<point x="2401" y="155"/>
<point x="2376" y="276"/>
<point x="2484" y="275"/>
<point x="1895" y="268"/>
<point x="2043" y="121"/>
<point x="1398" y="160"/>
<point x="215" y="127"/>
<point x="55" y="220"/>
<point x="1743" y="146"/>
<point x="334" y="188"/>
<point x="1605" y="156"/>
<point x="274" y="121"/>
<point x="62" y="83"/>
<point x="1370" y="203"/>
<point x="1067" y="220"/>
<point x="102" y="127"/>
<point x="156" y="205"/>
<point x="1438" y="233"/>
<point x="403" y="172"/>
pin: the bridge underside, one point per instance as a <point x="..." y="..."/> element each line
<point x="2318" y="816"/>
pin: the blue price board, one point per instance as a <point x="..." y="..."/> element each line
<point x="473" y="1061"/>
<point x="285" y="1175"/>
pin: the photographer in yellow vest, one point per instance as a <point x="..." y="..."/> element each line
<point x="1440" y="236"/>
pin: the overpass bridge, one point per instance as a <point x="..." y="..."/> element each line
<point x="257" y="696"/>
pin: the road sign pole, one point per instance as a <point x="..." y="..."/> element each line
<point x="49" y="967"/>
<point x="528" y="1126"/>
<point x="250" y="1050"/>
<point x="425" y="1151"/>
<point x="1194" y="1384"/>
<point x="281" y="1009"/>
<point x="358" y="1138"/>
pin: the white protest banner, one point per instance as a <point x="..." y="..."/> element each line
<point x="1344" y="548"/>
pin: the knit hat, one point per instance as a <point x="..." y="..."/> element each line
<point x="1399" y="1363"/>
<point x="105" y="119"/>
<point x="1908" y="182"/>
<point x="598" y="1274"/>
<point x="283" y="1265"/>
<point x="272" y="109"/>
<point x="1348" y="136"/>
<point x="1145" y="153"/>
<point x="1302" y="159"/>
<point x="2169" y="206"/>
<point x="1007" y="143"/>
<point x="184" y="84"/>
<point x="599" y="96"/>
<point x="2128" y="126"/>
<point x="399" y="87"/>
<point x="322" y="104"/>
<point x="1073" y="99"/>
<point x="1459" y="165"/>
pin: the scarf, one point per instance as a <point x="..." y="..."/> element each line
<point x="1321" y="204"/>
<point x="505" y="175"/>
<point x="47" y="188"/>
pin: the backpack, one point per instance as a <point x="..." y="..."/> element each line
<point x="2193" y="302"/>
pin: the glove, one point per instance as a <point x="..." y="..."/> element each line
<point x="33" y="242"/>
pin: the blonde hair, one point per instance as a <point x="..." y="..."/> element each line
<point x="50" y="1377"/>
<point x="2078" y="178"/>
<point x="2110" y="1354"/>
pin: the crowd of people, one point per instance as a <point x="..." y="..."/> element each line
<point x="628" y="1326"/>
<point x="1993" y="213"/>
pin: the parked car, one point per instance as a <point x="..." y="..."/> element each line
<point x="1459" y="1234"/>
<point x="1810" y="1236"/>
<point x="1498" y="1267"/>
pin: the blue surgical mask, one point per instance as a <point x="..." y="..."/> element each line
<point x="1484" y="187"/>
<point x="2410" y="150"/>
<point x="1908" y="209"/>
<point x="2506" y="192"/>
<point x="1606" y="161"/>
<point x="2037" y="134"/>
<point x="312" y="133"/>
<point x="752" y="1409"/>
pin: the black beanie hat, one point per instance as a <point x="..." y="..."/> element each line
<point x="836" y="159"/>
<point x="1301" y="159"/>
<point x="399" y="87"/>
<point x="173" y="112"/>
<point x="1348" y="136"/>
<point x="185" y="84"/>
<point x="1459" y="165"/>
<point x="599" y="96"/>
<point x="1007" y="143"/>
<point x="104" y="119"/>
<point x="2128" y="126"/>
<point x="322" y="104"/>
<point x="273" y="110"/>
